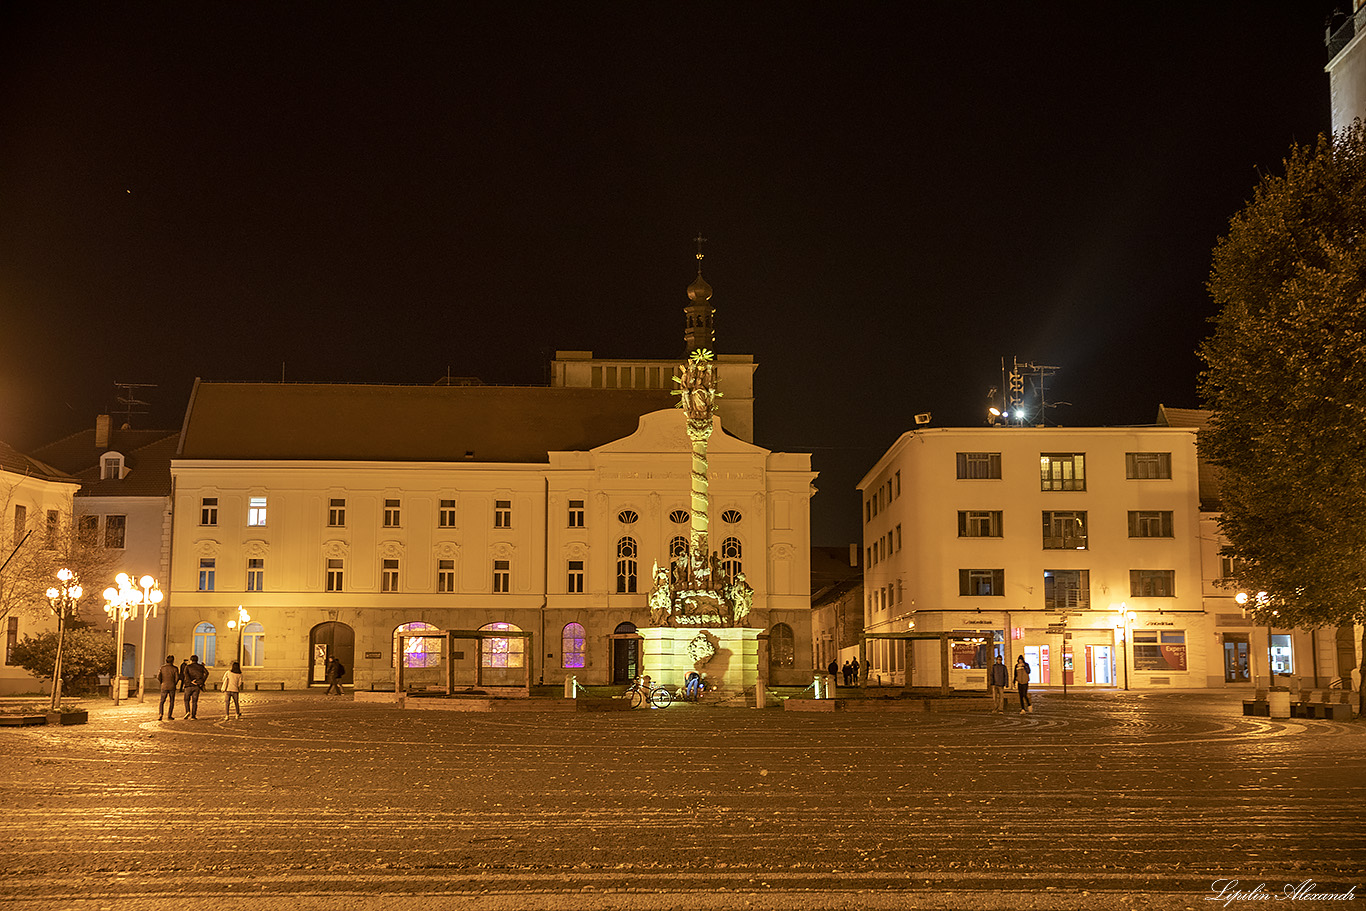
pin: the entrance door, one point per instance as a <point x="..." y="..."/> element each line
<point x="331" y="640"/>
<point x="130" y="660"/>
<point x="1236" y="665"/>
<point x="625" y="653"/>
<point x="1100" y="668"/>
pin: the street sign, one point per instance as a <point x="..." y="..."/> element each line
<point x="1057" y="628"/>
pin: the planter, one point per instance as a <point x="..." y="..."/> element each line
<point x="14" y="721"/>
<point x="79" y="717"/>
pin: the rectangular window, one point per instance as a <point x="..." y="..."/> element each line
<point x="54" y="525"/>
<point x="334" y="575"/>
<point x="208" y="511"/>
<point x="111" y="469"/>
<point x="1230" y="568"/>
<point x="11" y="638"/>
<point x="898" y="483"/>
<point x="979" y="523"/>
<point x="1152" y="583"/>
<point x="206" y="574"/>
<point x="1066" y="589"/>
<point x="1064" y="530"/>
<point x="445" y="514"/>
<point x="1159" y="651"/>
<point x="336" y="512"/>
<point x="88" y="530"/>
<point x="20" y="522"/>
<point x="867" y="511"/>
<point x="1150" y="524"/>
<point x="898" y="537"/>
<point x="1144" y="466"/>
<point x="502" y="576"/>
<point x="256" y="575"/>
<point x="576" y="513"/>
<point x="445" y="575"/>
<point x="502" y="513"/>
<point x="388" y="575"/>
<point x="1062" y="471"/>
<point x="981" y="582"/>
<point x="979" y="466"/>
<point x="391" y="514"/>
<point x="256" y="511"/>
<point x="114" y="528"/>
<point x="575" y="577"/>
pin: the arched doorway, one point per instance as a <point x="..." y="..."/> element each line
<point x="625" y="653"/>
<point x="331" y="640"/>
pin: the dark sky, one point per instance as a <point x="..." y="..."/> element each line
<point x="896" y="196"/>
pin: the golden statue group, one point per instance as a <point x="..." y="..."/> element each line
<point x="695" y="589"/>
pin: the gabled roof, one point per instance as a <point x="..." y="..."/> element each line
<point x="13" y="460"/>
<point x="406" y="423"/>
<point x="146" y="455"/>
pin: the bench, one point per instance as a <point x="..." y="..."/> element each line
<point x="1329" y="705"/>
<point x="271" y="685"/>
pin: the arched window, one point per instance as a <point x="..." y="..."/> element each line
<point x="782" y="651"/>
<point x="502" y="652"/>
<point x="626" y="565"/>
<point x="678" y="547"/>
<point x="253" y="645"/>
<point x="730" y="557"/>
<point x="420" y="652"/>
<point x="205" y="640"/>
<point x="572" y="645"/>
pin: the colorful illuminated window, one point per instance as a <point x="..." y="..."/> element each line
<point x="1062" y="471"/>
<point x="424" y="652"/>
<point x="572" y="646"/>
<point x="499" y="652"/>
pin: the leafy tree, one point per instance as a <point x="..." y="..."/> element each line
<point x="86" y="654"/>
<point x="1286" y="379"/>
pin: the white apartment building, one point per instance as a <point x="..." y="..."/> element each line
<point x="1078" y="548"/>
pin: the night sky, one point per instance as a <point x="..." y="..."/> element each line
<point x="895" y="197"/>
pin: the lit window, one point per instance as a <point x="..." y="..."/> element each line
<point x="334" y="575"/>
<point x="425" y="651"/>
<point x="256" y="511"/>
<point x="206" y="574"/>
<point x="114" y="528"/>
<point x="336" y="512"/>
<point x="253" y="645"/>
<point x="391" y="513"/>
<point x="502" y="576"/>
<point x="445" y="514"/>
<point x="730" y="558"/>
<point x="626" y="565"/>
<point x="502" y="513"/>
<point x="1064" y="530"/>
<point x="572" y="646"/>
<point x="1062" y="471"/>
<point x="205" y="642"/>
<point x="208" y="511"/>
<point x="445" y="575"/>
<point x="575" y="578"/>
<point x="576" y="513"/>
<point x="499" y="652"/>
<point x="1165" y="650"/>
<point x="388" y="575"/>
<point x="1150" y="524"/>
<point x="256" y="574"/>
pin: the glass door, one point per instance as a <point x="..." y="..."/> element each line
<point x="1236" y="665"/>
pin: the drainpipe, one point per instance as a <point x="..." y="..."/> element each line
<point x="545" y="578"/>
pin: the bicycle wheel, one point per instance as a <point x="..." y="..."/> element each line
<point x="661" y="698"/>
<point x="637" y="699"/>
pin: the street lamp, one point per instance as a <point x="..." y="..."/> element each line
<point x="243" y="618"/>
<point x="62" y="599"/>
<point x="1123" y="622"/>
<point x="124" y="603"/>
<point x="1270" y="615"/>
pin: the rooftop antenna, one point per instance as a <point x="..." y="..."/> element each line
<point x="129" y="402"/>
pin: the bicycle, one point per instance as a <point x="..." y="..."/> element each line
<point x="657" y="696"/>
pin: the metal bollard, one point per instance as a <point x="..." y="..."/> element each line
<point x="571" y="687"/>
<point x="760" y="697"/>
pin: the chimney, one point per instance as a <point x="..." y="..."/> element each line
<point x="102" y="423"/>
<point x="853" y="554"/>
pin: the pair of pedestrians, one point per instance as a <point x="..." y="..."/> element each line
<point x="191" y="678"/>
<point x="997" y="678"/>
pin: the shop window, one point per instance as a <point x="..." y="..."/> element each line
<point x="1159" y="650"/>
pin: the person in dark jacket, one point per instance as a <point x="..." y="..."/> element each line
<point x="997" y="679"/>
<point x="168" y="677"/>
<point x="333" y="675"/>
<point x="196" y="675"/>
<point x="1022" y="681"/>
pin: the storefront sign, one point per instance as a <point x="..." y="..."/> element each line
<point x="976" y="622"/>
<point x="374" y="654"/>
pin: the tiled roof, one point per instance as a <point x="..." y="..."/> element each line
<point x="407" y="423"/>
<point x="146" y="455"/>
<point x="13" y="460"/>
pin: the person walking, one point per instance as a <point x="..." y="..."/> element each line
<point x="997" y="678"/>
<point x="834" y="668"/>
<point x="168" y="678"/>
<point x="232" y="690"/>
<point x="196" y="675"/>
<point x="333" y="675"/>
<point x="1022" y="682"/>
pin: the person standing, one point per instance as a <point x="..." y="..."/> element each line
<point x="168" y="677"/>
<point x="834" y="668"/>
<point x="333" y="675"/>
<point x="232" y="690"/>
<point x="1022" y="682"/>
<point x="196" y="675"/>
<point x="997" y="678"/>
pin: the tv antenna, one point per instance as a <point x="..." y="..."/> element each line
<point x="129" y="403"/>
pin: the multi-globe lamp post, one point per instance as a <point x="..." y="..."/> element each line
<point x="123" y="603"/>
<point x="63" y="599"/>
<point x="243" y="618"/>
<point x="1258" y="607"/>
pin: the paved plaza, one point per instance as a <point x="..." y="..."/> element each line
<point x="1095" y="800"/>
